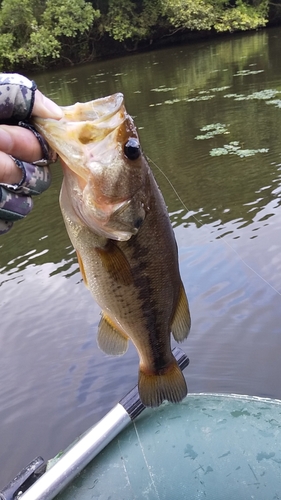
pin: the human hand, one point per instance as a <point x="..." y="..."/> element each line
<point x="24" y="154"/>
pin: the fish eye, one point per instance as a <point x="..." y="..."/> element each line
<point x="132" y="149"/>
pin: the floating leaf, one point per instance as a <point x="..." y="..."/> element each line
<point x="246" y="72"/>
<point x="157" y="104"/>
<point x="211" y="130"/>
<point x="233" y="148"/>
<point x="275" y="102"/>
<point x="172" y="101"/>
<point x="235" y="96"/>
<point x="218" y="152"/>
<point x="263" y="95"/>
<point x="163" y="89"/>
<point x="220" y="89"/>
<point x="201" y="98"/>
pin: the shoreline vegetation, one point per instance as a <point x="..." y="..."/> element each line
<point x="41" y="34"/>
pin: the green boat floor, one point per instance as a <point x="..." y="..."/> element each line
<point x="211" y="446"/>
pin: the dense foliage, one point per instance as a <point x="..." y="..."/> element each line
<point x="43" y="32"/>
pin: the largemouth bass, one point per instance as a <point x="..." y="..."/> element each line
<point x="118" y="223"/>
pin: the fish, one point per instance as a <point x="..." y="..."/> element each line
<point x="118" y="223"/>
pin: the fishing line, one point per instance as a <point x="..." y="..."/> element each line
<point x="146" y="462"/>
<point x="125" y="469"/>
<point x="219" y="237"/>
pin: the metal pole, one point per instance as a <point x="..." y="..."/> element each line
<point x="78" y="456"/>
<point x="91" y="443"/>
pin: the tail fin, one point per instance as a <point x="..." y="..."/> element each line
<point x="168" y="385"/>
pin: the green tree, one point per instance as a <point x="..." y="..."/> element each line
<point x="132" y="20"/>
<point x="243" y="16"/>
<point x="137" y="20"/>
<point x="17" y="22"/>
<point x="222" y="15"/>
<point x="38" y="32"/>
<point x="61" y="21"/>
<point x="191" y="15"/>
<point x="42" y="32"/>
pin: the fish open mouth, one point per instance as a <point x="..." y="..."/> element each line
<point x="79" y="135"/>
<point x="99" y="110"/>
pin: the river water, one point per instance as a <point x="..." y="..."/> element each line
<point x="209" y="118"/>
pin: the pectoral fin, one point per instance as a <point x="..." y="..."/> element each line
<point x="110" y="339"/>
<point x="181" y="320"/>
<point x="115" y="263"/>
<point x="81" y="266"/>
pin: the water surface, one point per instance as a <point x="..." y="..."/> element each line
<point x="209" y="116"/>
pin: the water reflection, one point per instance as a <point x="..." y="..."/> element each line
<point x="225" y="210"/>
<point x="201" y="82"/>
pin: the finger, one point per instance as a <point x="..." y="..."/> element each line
<point x="45" y="108"/>
<point x="9" y="172"/>
<point x="19" y="142"/>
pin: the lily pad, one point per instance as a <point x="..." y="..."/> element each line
<point x="211" y="130"/>
<point x="262" y="95"/>
<point x="172" y="101"/>
<point x="220" y="89"/>
<point x="233" y="148"/>
<point x="246" y="72"/>
<point x="201" y="98"/>
<point x="275" y="102"/>
<point x="163" y="89"/>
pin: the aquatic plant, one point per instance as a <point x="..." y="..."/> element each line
<point x="172" y="101"/>
<point x="162" y="88"/>
<point x="262" y="95"/>
<point x="275" y="102"/>
<point x="246" y="72"/>
<point x="233" y="148"/>
<point x="211" y="130"/>
<point x="220" y="89"/>
<point x="201" y="98"/>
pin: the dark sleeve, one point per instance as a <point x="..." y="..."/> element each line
<point x="17" y="94"/>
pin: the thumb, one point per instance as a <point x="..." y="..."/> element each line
<point x="45" y="108"/>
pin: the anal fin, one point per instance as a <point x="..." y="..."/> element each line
<point x="181" y="320"/>
<point x="110" y="340"/>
